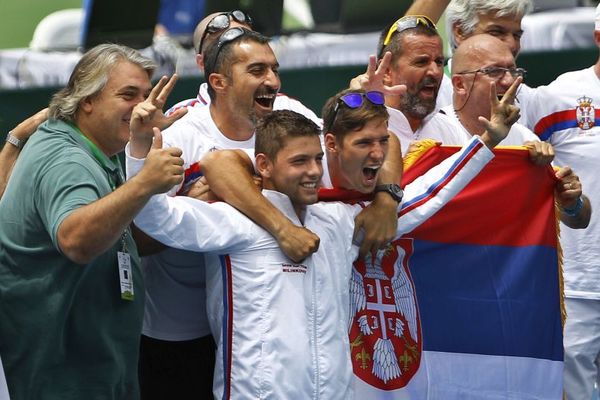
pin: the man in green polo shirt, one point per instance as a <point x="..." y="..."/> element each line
<point x="71" y="293"/>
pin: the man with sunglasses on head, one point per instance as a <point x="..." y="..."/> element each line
<point x="282" y="326"/>
<point x="480" y="62"/>
<point x="210" y="27"/>
<point x="177" y="351"/>
<point x="417" y="61"/>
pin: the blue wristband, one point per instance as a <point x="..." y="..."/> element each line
<point x="573" y="212"/>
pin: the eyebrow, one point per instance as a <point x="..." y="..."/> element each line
<point x="262" y="65"/>
<point x="500" y="27"/>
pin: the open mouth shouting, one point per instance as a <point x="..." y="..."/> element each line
<point x="265" y="100"/>
<point x="370" y="174"/>
<point x="429" y="88"/>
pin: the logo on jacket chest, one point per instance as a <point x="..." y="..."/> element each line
<point x="585" y="113"/>
<point x="385" y="331"/>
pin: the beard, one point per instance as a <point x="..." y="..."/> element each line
<point x="411" y="104"/>
<point x="253" y="117"/>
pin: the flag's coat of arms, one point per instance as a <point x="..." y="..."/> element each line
<point x="385" y="332"/>
<point x="585" y="113"/>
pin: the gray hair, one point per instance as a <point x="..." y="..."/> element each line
<point x="465" y="13"/>
<point x="90" y="75"/>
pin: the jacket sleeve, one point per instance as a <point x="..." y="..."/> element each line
<point x="430" y="192"/>
<point x="189" y="224"/>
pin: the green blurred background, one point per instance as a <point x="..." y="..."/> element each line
<point x="18" y="19"/>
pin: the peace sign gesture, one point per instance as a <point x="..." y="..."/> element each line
<point x="149" y="114"/>
<point x="503" y="114"/>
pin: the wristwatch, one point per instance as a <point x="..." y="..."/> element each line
<point x="12" y="139"/>
<point x="392" y="189"/>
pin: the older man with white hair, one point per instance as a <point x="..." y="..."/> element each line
<point x="499" y="18"/>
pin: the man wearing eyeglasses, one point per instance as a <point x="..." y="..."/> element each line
<point x="499" y="18"/>
<point x="479" y="62"/>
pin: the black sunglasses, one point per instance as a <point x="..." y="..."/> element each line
<point x="223" y="21"/>
<point x="227" y="37"/>
<point x="355" y="100"/>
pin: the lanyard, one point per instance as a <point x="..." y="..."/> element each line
<point x="113" y="180"/>
<point x="123" y="258"/>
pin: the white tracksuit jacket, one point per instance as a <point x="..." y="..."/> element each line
<point x="282" y="328"/>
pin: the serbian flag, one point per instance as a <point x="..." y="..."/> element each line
<point x="468" y="305"/>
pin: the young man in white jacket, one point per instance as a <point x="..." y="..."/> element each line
<point x="281" y="327"/>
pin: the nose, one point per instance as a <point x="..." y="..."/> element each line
<point x="272" y="79"/>
<point x="435" y="70"/>
<point x="378" y="151"/>
<point x="506" y="80"/>
<point x="315" y="169"/>
<point x="514" y="44"/>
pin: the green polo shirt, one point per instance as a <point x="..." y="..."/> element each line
<point x="65" y="332"/>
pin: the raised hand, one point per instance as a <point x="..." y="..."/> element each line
<point x="149" y="114"/>
<point x="163" y="168"/>
<point x="503" y="114"/>
<point x="373" y="79"/>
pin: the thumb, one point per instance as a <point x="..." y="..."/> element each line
<point x="157" y="143"/>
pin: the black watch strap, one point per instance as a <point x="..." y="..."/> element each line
<point x="392" y="189"/>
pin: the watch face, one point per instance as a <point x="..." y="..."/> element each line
<point x="397" y="191"/>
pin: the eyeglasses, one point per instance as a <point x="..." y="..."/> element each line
<point x="497" y="72"/>
<point x="355" y="100"/>
<point x="222" y="21"/>
<point x="227" y="37"/>
<point x="408" y="22"/>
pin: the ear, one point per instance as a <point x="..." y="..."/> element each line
<point x="387" y="75"/>
<point x="597" y="37"/>
<point x="331" y="145"/>
<point x="459" y="33"/>
<point x="264" y="166"/>
<point x="458" y="84"/>
<point x="86" y="105"/>
<point x="217" y="81"/>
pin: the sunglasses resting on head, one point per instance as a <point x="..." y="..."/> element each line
<point x="223" y="21"/>
<point x="355" y="100"/>
<point x="404" y="23"/>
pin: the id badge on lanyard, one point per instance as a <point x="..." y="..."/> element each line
<point x="125" y="271"/>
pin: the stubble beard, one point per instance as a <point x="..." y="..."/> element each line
<point x="416" y="107"/>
